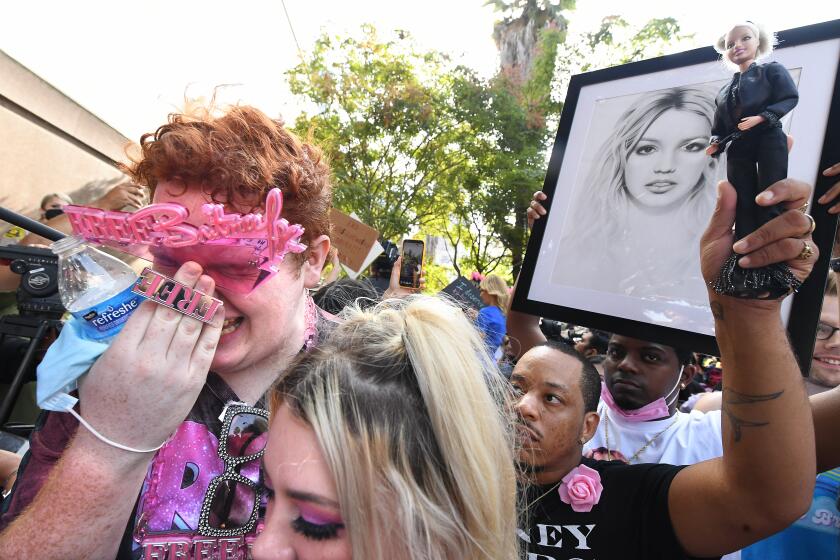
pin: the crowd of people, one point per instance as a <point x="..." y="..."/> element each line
<point x="344" y="423"/>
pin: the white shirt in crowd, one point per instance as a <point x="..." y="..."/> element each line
<point x="683" y="439"/>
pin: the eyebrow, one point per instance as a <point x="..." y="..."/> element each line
<point x="312" y="498"/>
<point x="299" y="494"/>
<point x="558" y="386"/>
<point x="683" y="141"/>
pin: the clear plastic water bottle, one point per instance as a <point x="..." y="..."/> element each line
<point x="94" y="287"/>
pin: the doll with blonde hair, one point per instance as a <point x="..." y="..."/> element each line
<point x="747" y="126"/>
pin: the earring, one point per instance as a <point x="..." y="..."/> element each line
<point x="582" y="441"/>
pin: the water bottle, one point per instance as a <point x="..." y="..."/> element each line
<point x="94" y="287"/>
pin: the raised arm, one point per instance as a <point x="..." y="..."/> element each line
<point x="136" y="394"/>
<point x="522" y="327"/>
<point x="764" y="480"/>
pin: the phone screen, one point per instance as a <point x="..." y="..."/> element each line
<point x="412" y="262"/>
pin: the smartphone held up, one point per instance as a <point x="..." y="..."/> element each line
<point x="412" y="263"/>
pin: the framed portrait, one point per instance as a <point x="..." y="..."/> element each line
<point x="630" y="191"/>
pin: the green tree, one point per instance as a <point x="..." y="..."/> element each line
<point x="524" y="111"/>
<point x="536" y="63"/>
<point x="615" y="42"/>
<point x="384" y="115"/>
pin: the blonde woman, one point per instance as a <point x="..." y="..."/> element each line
<point x="635" y="225"/>
<point x="491" y="318"/>
<point x="391" y="440"/>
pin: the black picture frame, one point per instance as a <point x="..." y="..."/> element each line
<point x="537" y="296"/>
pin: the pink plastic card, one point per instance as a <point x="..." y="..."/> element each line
<point x="172" y="294"/>
<point x="239" y="251"/>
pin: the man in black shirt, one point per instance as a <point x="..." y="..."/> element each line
<point x="582" y="509"/>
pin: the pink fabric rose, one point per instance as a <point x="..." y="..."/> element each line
<point x="581" y="488"/>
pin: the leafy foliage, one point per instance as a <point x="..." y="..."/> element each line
<point x="616" y="42"/>
<point x="385" y="117"/>
<point x="417" y="143"/>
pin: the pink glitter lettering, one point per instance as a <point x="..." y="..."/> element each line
<point x="164" y="224"/>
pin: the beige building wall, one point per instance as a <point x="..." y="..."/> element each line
<point x="49" y="143"/>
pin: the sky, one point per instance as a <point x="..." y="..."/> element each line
<point x="132" y="63"/>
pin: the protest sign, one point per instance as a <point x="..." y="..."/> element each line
<point x="352" y="238"/>
<point x="463" y="291"/>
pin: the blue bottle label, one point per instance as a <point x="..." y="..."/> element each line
<point x="107" y="318"/>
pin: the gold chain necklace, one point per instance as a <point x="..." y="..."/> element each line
<point x="645" y="446"/>
<point x="544" y="494"/>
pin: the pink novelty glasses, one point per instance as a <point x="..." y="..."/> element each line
<point x="239" y="251"/>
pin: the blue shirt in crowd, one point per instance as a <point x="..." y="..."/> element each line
<point x="814" y="535"/>
<point x="491" y="322"/>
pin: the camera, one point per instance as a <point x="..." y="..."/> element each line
<point x="37" y="295"/>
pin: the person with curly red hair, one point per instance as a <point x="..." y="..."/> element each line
<point x="167" y="378"/>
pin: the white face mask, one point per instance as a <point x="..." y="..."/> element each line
<point x="68" y="358"/>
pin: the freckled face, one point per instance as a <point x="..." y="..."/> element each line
<point x="550" y="405"/>
<point x="667" y="162"/>
<point x="303" y="520"/>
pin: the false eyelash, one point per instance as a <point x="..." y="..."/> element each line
<point x="314" y="531"/>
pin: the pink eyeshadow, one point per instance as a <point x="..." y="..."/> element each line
<point x="317" y="517"/>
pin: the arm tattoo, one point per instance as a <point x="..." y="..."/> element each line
<point x="733" y="398"/>
<point x="717" y="310"/>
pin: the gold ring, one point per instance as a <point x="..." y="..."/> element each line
<point x="806" y="252"/>
<point x="803" y="208"/>
<point x="813" y="225"/>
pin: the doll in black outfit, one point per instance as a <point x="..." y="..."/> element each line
<point x="746" y="125"/>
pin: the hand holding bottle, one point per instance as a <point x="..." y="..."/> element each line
<point x="144" y="385"/>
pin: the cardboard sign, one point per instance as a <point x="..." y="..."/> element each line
<point x="352" y="238"/>
<point x="172" y="294"/>
<point x="463" y="291"/>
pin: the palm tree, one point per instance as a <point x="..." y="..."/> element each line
<point x="517" y="33"/>
<point x="517" y="37"/>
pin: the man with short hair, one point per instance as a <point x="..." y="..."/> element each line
<point x="825" y="363"/>
<point x="638" y="375"/>
<point x="593" y="343"/>
<point x="614" y="510"/>
<point x="640" y="419"/>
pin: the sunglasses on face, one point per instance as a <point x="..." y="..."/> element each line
<point x="232" y="268"/>
<point x="232" y="502"/>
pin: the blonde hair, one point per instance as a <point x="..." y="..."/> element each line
<point x="766" y="40"/>
<point x="415" y="424"/>
<point x="495" y="285"/>
<point x="601" y="206"/>
<point x="61" y="196"/>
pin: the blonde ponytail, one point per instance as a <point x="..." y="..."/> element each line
<point x="414" y="422"/>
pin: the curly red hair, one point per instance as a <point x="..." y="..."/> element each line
<point x="237" y="158"/>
